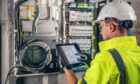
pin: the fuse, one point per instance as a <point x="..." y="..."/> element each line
<point x="80" y="30"/>
<point x="80" y="16"/>
<point x="84" y="44"/>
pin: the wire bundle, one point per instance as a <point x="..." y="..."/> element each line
<point x="35" y="55"/>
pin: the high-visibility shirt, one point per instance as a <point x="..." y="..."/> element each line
<point x="103" y="69"/>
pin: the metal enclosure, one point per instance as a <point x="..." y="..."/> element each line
<point x="0" y="53"/>
<point x="0" y="43"/>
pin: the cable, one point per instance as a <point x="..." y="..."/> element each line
<point x="34" y="28"/>
<point x="25" y="60"/>
<point x="10" y="71"/>
<point x="17" y="26"/>
<point x="82" y="58"/>
<point x="17" y="21"/>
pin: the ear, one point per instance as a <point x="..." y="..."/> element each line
<point x="113" y="27"/>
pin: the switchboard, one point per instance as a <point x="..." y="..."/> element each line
<point x="79" y="19"/>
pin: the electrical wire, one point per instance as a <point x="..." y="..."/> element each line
<point x="17" y="25"/>
<point x="81" y="57"/>
<point x="32" y="68"/>
<point x="9" y="73"/>
<point x="34" y="28"/>
<point x="24" y="60"/>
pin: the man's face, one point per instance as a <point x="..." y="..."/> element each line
<point x="105" y="30"/>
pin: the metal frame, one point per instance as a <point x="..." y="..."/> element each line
<point x="0" y="52"/>
<point x="0" y="44"/>
<point x="98" y="37"/>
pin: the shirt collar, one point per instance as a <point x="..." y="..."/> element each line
<point x="118" y="41"/>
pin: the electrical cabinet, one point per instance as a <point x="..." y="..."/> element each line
<point x="37" y="23"/>
<point x="78" y="27"/>
<point x="38" y="28"/>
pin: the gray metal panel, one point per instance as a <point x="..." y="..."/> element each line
<point x="5" y="40"/>
<point x="33" y="80"/>
<point x="136" y="31"/>
<point x="0" y="41"/>
<point x="0" y="50"/>
<point x="52" y="79"/>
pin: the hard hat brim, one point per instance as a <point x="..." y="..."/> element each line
<point x="97" y="21"/>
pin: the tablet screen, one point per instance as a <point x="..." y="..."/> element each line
<point x="71" y="53"/>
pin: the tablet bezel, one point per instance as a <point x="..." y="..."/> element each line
<point x="63" y="56"/>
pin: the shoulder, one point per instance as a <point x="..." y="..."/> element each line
<point x="104" y="59"/>
<point x="103" y="56"/>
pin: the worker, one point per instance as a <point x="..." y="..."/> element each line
<point x="115" y="19"/>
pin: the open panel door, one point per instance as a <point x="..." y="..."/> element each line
<point x="0" y="51"/>
<point x="98" y="37"/>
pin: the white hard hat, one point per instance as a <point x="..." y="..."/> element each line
<point x="117" y="9"/>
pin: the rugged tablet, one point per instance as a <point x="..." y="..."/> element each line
<point x="68" y="53"/>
